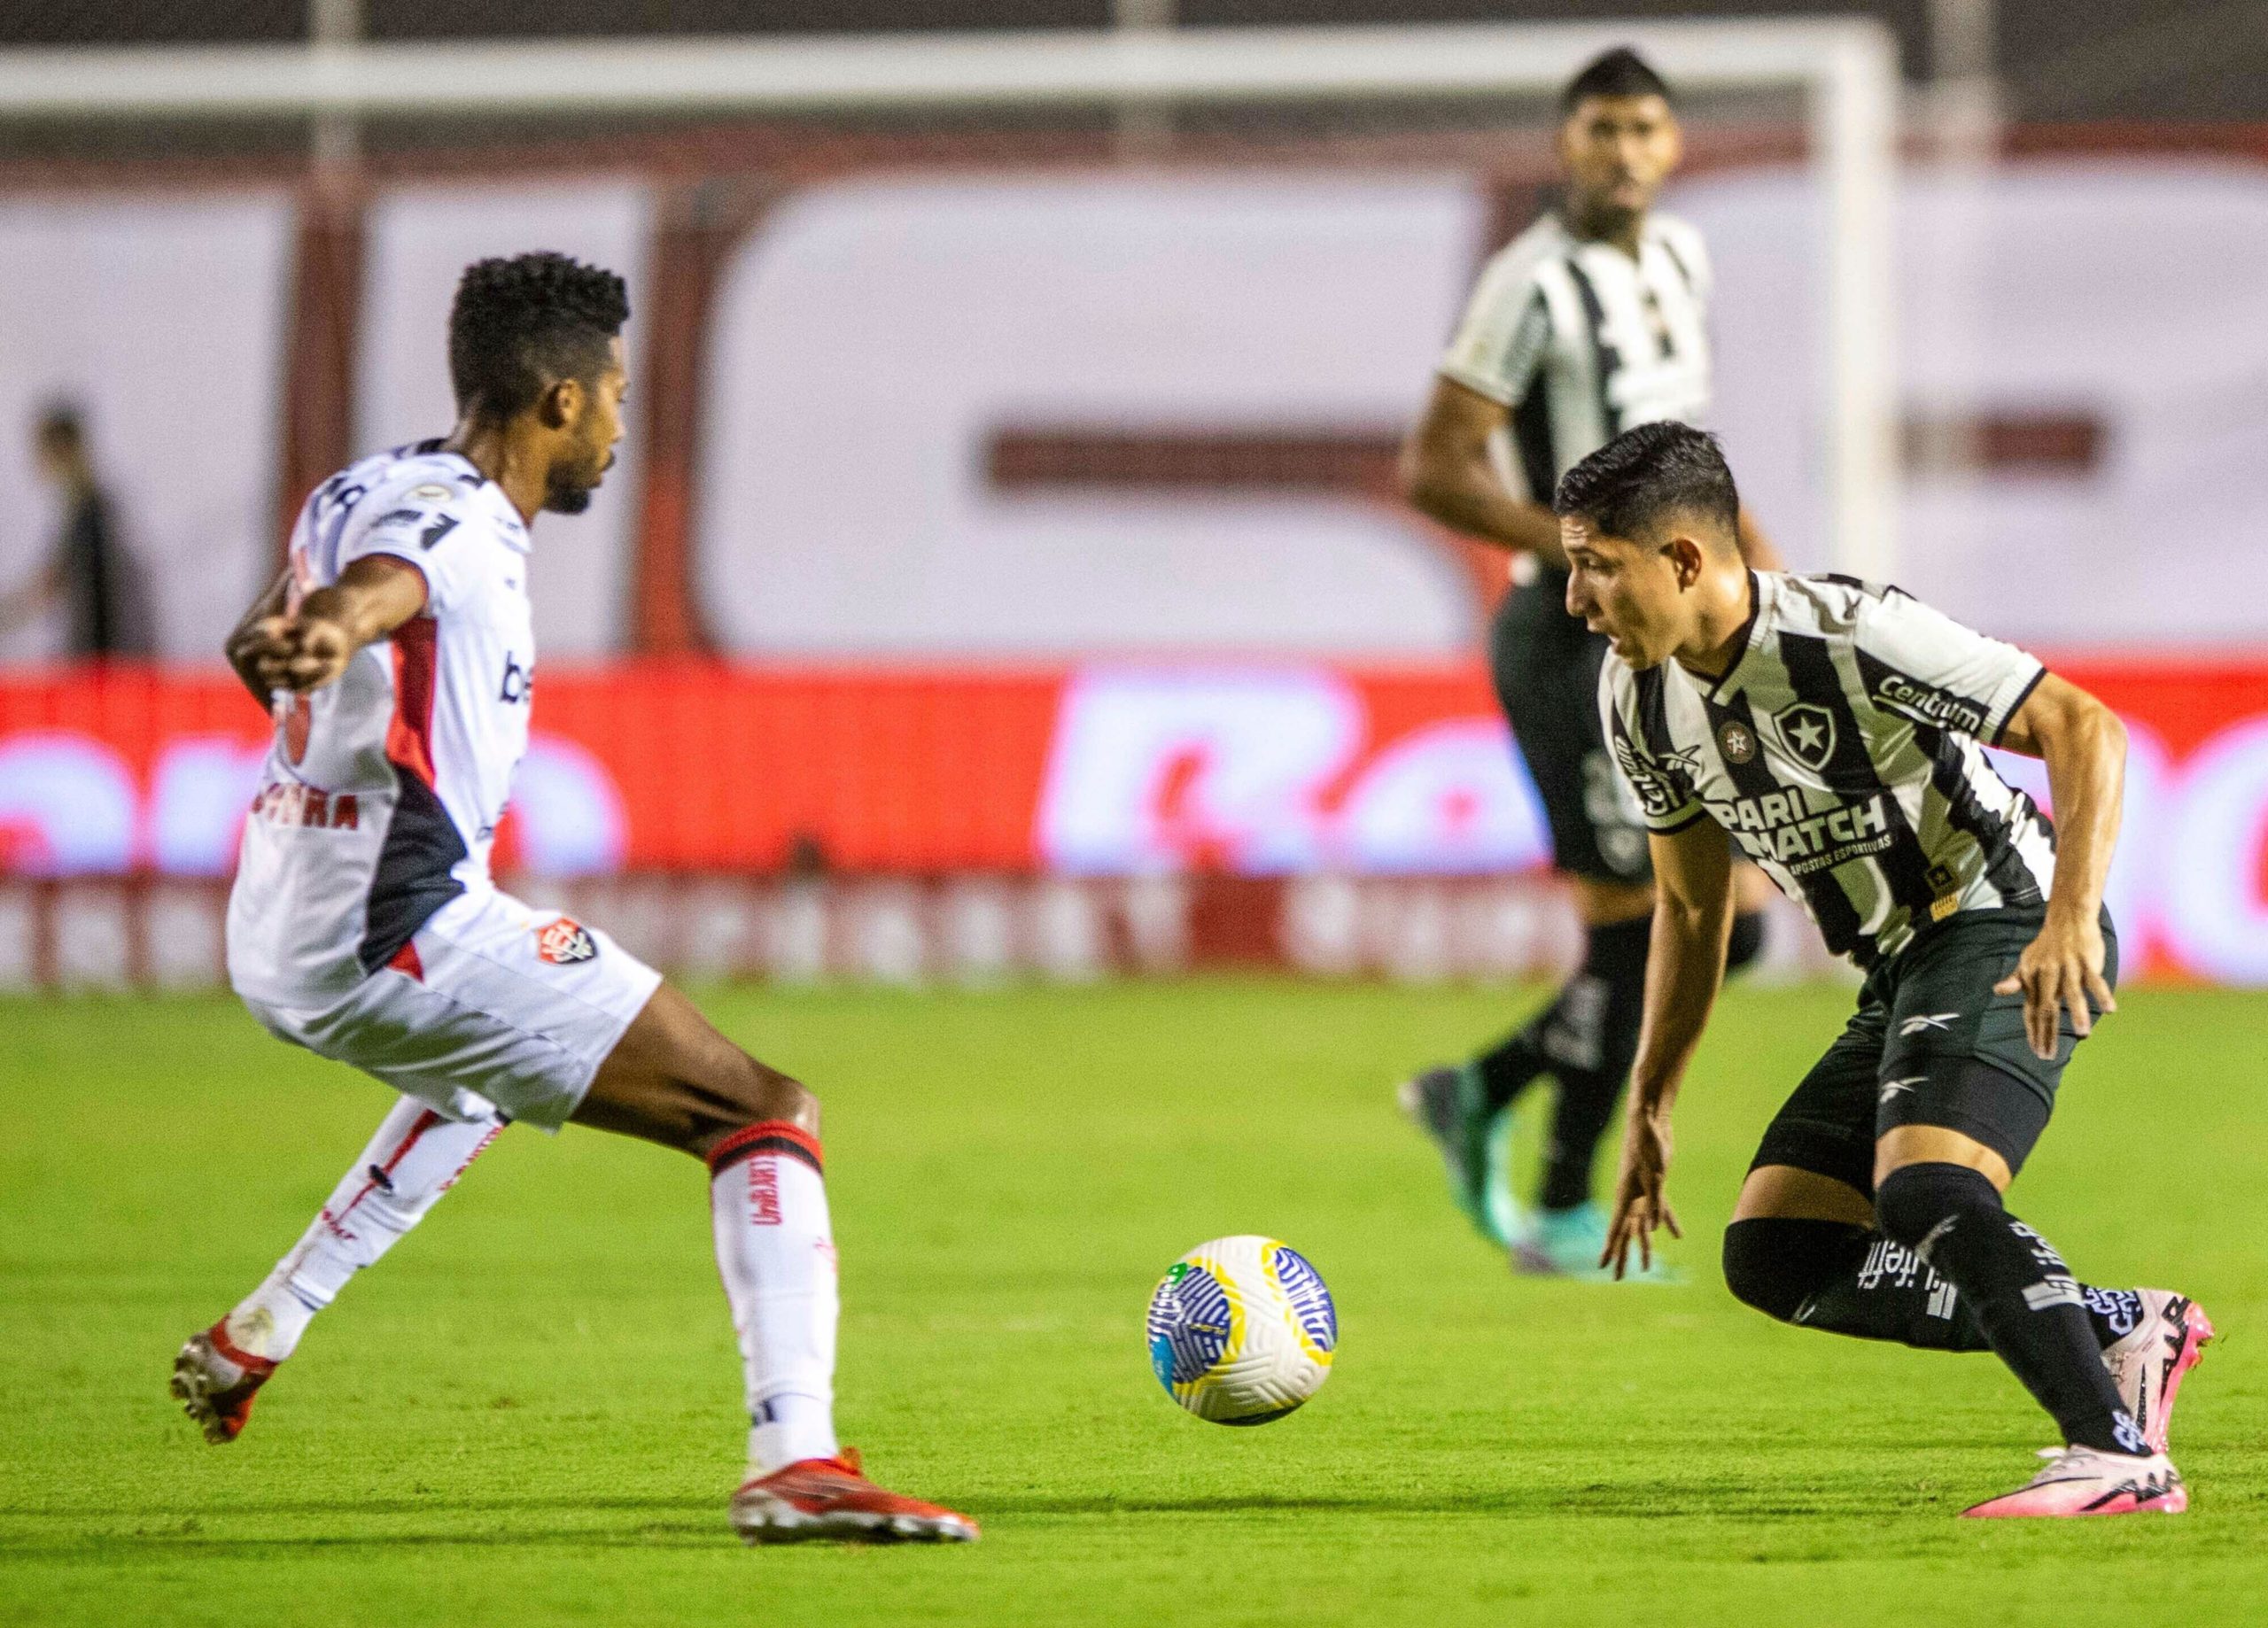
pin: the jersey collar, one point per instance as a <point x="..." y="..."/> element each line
<point x="1715" y="687"/>
<point x="510" y="526"/>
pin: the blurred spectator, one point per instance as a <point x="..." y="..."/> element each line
<point x="89" y="572"/>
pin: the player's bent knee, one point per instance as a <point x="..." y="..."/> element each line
<point x="759" y="1092"/>
<point x="1776" y="1264"/>
<point x="1912" y="1201"/>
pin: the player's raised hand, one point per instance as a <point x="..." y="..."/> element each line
<point x="261" y="649"/>
<point x="1640" y="1204"/>
<point x="2060" y="971"/>
<point x="318" y="651"/>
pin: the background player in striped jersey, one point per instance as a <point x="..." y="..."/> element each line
<point x="1835" y="730"/>
<point x="1594" y="319"/>
<point x="398" y="651"/>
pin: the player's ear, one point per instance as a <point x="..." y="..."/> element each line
<point x="1686" y="558"/>
<point x="560" y="404"/>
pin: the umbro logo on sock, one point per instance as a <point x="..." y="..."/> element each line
<point x="1934" y="1020"/>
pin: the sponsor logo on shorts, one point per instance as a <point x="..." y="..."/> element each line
<point x="564" y="942"/>
<point x="1894" y="1087"/>
<point x="1934" y="1021"/>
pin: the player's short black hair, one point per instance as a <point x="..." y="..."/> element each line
<point x="1647" y="474"/>
<point x="1619" y="72"/>
<point x="60" y="424"/>
<point x="521" y="324"/>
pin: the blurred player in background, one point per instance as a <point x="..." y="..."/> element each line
<point x="1835" y="729"/>
<point x="399" y="649"/>
<point x="89" y="571"/>
<point x="1593" y="320"/>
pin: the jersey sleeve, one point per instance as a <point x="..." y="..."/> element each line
<point x="414" y="522"/>
<point x="1501" y="341"/>
<point x="1921" y="664"/>
<point x="1667" y="803"/>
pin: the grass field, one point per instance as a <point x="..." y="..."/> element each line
<point x="529" y="1414"/>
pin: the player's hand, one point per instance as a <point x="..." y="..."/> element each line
<point x="320" y="651"/>
<point x="1639" y="1204"/>
<point x="263" y="648"/>
<point x="2060" y="971"/>
<point x="295" y="653"/>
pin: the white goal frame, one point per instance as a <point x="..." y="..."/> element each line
<point x="1845" y="69"/>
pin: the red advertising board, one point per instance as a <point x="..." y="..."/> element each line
<point x="1240" y="769"/>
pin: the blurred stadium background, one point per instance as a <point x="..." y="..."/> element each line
<point x="1005" y="575"/>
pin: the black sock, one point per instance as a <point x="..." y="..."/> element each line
<point x="1851" y="1279"/>
<point x="2024" y="1296"/>
<point x="1846" y="1280"/>
<point x="1589" y="1045"/>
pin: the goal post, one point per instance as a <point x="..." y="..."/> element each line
<point x="1843" y="70"/>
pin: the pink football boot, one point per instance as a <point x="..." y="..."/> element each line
<point x="2083" y="1481"/>
<point x="2147" y="1365"/>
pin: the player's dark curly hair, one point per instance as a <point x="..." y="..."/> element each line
<point x="522" y="325"/>
<point x="1619" y="72"/>
<point x="1645" y="474"/>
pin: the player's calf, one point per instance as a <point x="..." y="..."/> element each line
<point x="416" y="1156"/>
<point x="2025" y="1299"/>
<point x="674" y="1079"/>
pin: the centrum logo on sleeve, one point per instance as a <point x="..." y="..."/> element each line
<point x="1929" y="703"/>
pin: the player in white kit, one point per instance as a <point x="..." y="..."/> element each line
<point x="397" y="653"/>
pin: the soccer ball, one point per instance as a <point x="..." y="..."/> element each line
<point x="1242" y="1330"/>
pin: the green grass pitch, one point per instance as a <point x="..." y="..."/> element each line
<point x="530" y="1413"/>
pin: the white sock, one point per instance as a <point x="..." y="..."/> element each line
<point x="415" y="1157"/>
<point x="776" y="1251"/>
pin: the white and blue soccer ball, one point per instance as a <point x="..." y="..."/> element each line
<point x="1242" y="1330"/>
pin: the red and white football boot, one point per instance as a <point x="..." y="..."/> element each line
<point x="2147" y="1365"/>
<point x="830" y="1498"/>
<point x="215" y="1382"/>
<point x="2083" y="1481"/>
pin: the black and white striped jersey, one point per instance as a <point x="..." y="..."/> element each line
<point x="1842" y="752"/>
<point x="1582" y="341"/>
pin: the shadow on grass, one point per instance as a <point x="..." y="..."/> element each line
<point x="700" y="1522"/>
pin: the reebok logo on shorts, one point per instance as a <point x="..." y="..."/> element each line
<point x="1934" y="1020"/>
<point x="564" y="942"/>
<point x="1891" y="1088"/>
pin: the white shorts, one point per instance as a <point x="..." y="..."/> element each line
<point x="492" y="1005"/>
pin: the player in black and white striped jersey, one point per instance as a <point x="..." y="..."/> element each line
<point x="1594" y="319"/>
<point x="1834" y="730"/>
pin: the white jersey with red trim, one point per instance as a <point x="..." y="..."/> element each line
<point x="379" y="799"/>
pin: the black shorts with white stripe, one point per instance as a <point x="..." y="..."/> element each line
<point x="1931" y="1044"/>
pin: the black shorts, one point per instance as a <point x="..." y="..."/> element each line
<point x="1545" y="665"/>
<point x="1931" y="1044"/>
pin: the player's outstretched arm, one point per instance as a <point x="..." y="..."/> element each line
<point x="1448" y="475"/>
<point x="2084" y="745"/>
<point x="308" y="647"/>
<point x="1693" y="916"/>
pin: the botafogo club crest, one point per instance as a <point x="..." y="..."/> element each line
<point x="1808" y="733"/>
